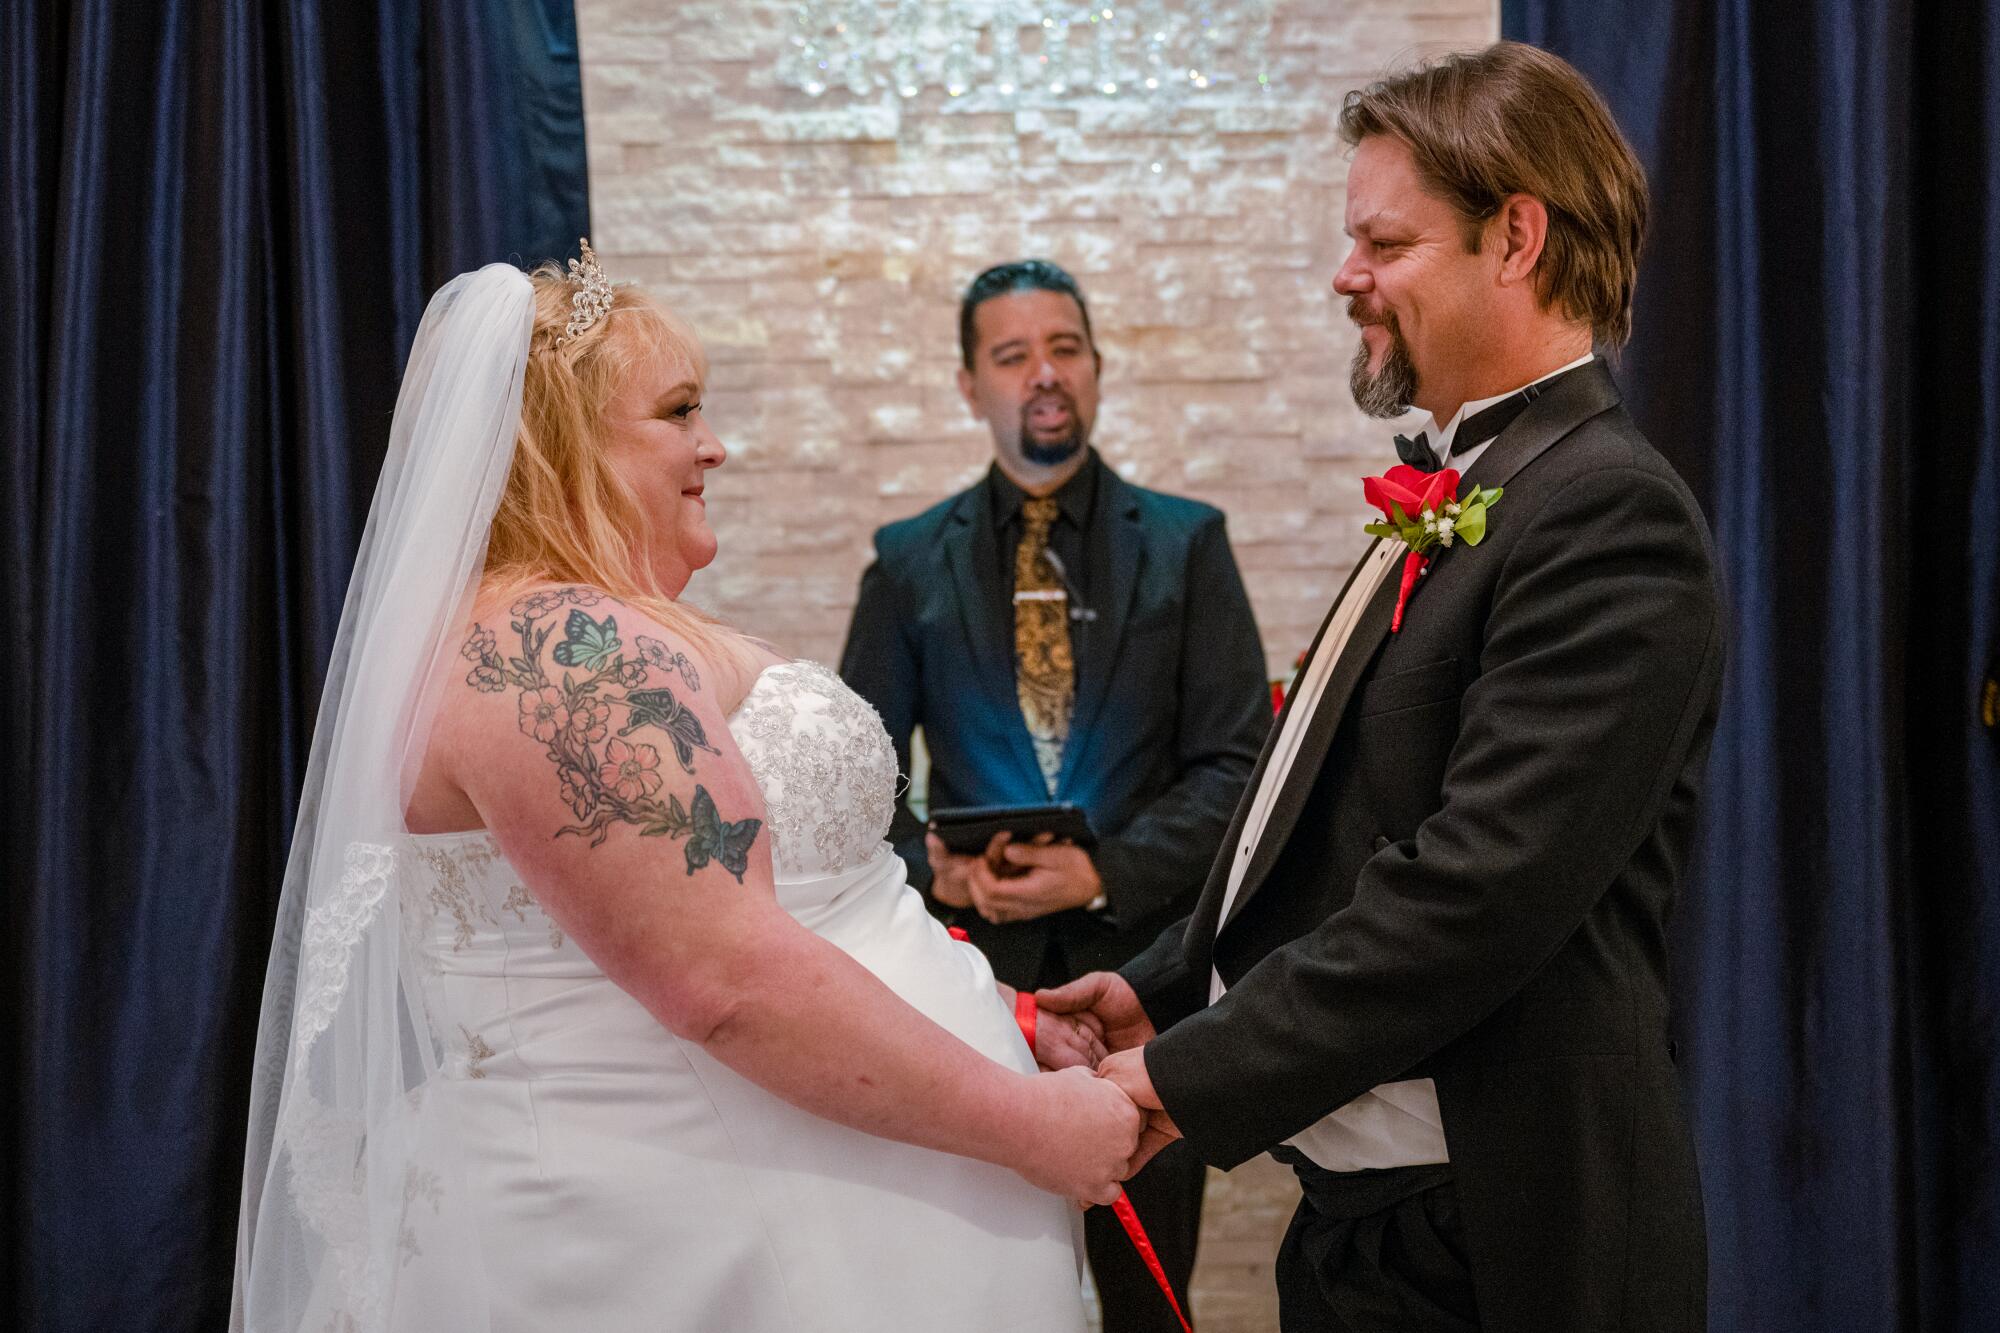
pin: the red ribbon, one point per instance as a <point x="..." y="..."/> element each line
<point x="1122" y="1206"/>
<point x="1025" y="1015"/>
<point x="1025" y="1011"/>
<point x="1413" y="565"/>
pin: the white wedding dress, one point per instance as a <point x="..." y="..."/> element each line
<point x="620" y="1178"/>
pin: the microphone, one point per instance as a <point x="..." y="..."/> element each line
<point x="1077" y="610"/>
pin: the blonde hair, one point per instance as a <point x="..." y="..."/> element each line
<point x="565" y="515"/>
<point x="1512" y="119"/>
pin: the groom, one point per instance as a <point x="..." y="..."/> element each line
<point x="1429" y="970"/>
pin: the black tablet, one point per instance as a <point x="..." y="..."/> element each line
<point x="966" y="829"/>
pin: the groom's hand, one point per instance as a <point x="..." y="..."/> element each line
<point x="1106" y="1001"/>
<point x="1128" y="1070"/>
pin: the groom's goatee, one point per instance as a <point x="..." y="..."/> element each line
<point x="1389" y="391"/>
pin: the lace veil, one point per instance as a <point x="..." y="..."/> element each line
<point x="351" y="1217"/>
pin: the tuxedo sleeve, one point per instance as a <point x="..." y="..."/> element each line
<point x="1222" y="712"/>
<point x="1602" y="638"/>
<point x="882" y="664"/>
<point x="1162" y="978"/>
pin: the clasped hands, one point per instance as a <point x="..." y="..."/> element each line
<point x="1094" y="1022"/>
<point x="1097" y="1022"/>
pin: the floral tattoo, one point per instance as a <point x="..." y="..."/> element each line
<point x="605" y="778"/>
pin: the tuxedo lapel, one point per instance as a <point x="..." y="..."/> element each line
<point x="1208" y="910"/>
<point x="1114" y="559"/>
<point x="1567" y="403"/>
<point x="986" y="605"/>
<point x="1355" y="655"/>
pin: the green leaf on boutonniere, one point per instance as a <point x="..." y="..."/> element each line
<point x="1489" y="495"/>
<point x="1412" y="534"/>
<point x="1381" y="530"/>
<point x="1471" y="525"/>
<point x="1396" y="512"/>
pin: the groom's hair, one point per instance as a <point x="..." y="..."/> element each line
<point x="1022" y="275"/>
<point x="1512" y="119"/>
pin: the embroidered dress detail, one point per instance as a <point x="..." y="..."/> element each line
<point x="824" y="764"/>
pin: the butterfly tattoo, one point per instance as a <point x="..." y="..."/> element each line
<point x="588" y="643"/>
<point x="605" y="782"/>
<point x="712" y="837"/>
<point x="659" y="708"/>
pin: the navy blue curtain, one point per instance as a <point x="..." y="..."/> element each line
<point x="1818" y="347"/>
<point x="219" y="223"/>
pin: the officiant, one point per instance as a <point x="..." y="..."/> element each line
<point x="1060" y="634"/>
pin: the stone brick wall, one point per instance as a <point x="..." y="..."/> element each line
<point x="820" y="246"/>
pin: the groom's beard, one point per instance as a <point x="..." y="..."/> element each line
<point x="1389" y="391"/>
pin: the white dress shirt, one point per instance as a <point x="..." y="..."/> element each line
<point x="1441" y="439"/>
<point x="1395" y="1124"/>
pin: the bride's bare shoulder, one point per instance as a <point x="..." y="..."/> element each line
<point x="573" y="668"/>
<point x="584" y="732"/>
<point x="565" y="634"/>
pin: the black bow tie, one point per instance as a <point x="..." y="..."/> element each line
<point x="1474" y="431"/>
<point x="1417" y="453"/>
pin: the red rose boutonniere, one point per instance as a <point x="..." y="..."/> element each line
<point x="1423" y="511"/>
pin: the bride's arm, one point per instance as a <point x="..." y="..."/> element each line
<point x="591" y="742"/>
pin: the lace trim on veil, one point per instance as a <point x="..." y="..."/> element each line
<point x="322" y="1144"/>
<point x="332" y="930"/>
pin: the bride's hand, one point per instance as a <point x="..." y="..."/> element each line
<point x="1062" y="1041"/>
<point x="1066" y="1041"/>
<point x="1081" y="1134"/>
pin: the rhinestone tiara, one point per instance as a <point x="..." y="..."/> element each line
<point x="593" y="292"/>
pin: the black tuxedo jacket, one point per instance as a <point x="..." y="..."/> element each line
<point x="1468" y="875"/>
<point x="1171" y="703"/>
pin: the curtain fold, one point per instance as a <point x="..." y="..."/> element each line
<point x="221" y="222"/>
<point x="1817" y="347"/>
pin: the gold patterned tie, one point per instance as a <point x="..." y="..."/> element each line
<point x="1044" y="671"/>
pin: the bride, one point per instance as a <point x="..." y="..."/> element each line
<point x="597" y="1000"/>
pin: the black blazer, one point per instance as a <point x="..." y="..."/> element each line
<point x="1468" y="876"/>
<point x="1171" y="702"/>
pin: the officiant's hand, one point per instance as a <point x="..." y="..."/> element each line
<point x="1079" y="1136"/>
<point x="951" y="874"/>
<point x="1034" y="879"/>
<point x="1106" y="1001"/>
<point x="1127" y="1069"/>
